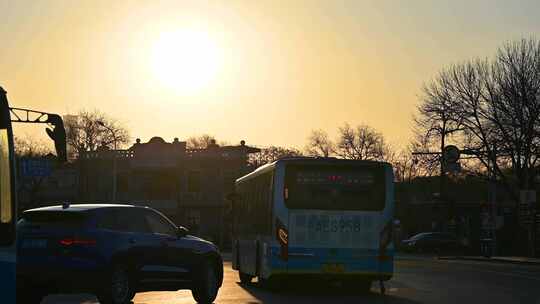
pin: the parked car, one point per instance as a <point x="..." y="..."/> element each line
<point x="113" y="251"/>
<point x="434" y="242"/>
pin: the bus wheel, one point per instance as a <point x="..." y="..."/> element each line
<point x="245" y="278"/>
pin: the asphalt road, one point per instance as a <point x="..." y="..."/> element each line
<point x="416" y="280"/>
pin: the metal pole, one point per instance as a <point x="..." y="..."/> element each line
<point x="493" y="188"/>
<point x="442" y="184"/>
<point x="114" y="177"/>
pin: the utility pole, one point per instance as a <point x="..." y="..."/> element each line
<point x="448" y="158"/>
<point x="493" y="199"/>
<point x="442" y="177"/>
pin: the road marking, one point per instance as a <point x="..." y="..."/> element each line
<point x="512" y="274"/>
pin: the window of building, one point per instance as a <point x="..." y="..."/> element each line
<point x="122" y="182"/>
<point x="193" y="220"/>
<point x="194" y="181"/>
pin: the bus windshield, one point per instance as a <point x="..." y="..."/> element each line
<point x="335" y="188"/>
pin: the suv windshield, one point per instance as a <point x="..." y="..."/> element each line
<point x="330" y="187"/>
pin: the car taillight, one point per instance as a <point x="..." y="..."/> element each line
<point x="385" y="240"/>
<point x="77" y="241"/>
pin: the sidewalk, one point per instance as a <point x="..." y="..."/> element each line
<point x="496" y="259"/>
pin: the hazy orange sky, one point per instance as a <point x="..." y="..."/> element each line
<point x="266" y="71"/>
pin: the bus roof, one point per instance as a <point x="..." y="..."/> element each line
<point x="309" y="160"/>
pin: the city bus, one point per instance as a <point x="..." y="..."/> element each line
<point x="7" y="205"/>
<point x="8" y="186"/>
<point x="314" y="218"/>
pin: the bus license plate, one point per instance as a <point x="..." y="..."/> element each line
<point x="333" y="268"/>
<point x="34" y="244"/>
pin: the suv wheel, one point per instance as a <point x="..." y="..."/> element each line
<point x="207" y="285"/>
<point x="120" y="288"/>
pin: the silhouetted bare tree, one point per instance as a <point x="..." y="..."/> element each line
<point x="319" y="144"/>
<point x="363" y="142"/>
<point x="30" y="147"/>
<point x="270" y="154"/>
<point x="494" y="107"/>
<point x="497" y="105"/>
<point x="405" y="167"/>
<point x="87" y="131"/>
<point x="200" y="142"/>
<point x="25" y="148"/>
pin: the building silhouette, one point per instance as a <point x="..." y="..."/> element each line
<point x="187" y="185"/>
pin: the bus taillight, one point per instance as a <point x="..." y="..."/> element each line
<point x="282" y="236"/>
<point x="385" y="240"/>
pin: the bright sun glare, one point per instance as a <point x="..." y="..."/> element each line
<point x="186" y="60"/>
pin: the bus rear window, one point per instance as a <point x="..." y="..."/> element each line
<point x="335" y="188"/>
<point x="53" y="219"/>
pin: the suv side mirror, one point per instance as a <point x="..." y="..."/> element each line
<point x="181" y="231"/>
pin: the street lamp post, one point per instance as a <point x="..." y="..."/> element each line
<point x="113" y="196"/>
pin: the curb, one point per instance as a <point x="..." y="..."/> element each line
<point x="494" y="260"/>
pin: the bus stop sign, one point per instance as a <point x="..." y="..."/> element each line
<point x="451" y="154"/>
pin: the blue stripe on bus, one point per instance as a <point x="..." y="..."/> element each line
<point x="354" y="260"/>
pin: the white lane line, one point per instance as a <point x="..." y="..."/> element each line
<point x="517" y="273"/>
<point x="511" y="274"/>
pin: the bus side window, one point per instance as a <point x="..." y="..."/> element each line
<point x="7" y="229"/>
<point x="269" y="200"/>
<point x="259" y="214"/>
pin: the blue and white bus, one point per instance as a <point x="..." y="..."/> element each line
<point x="8" y="205"/>
<point x="321" y="218"/>
<point x="8" y="186"/>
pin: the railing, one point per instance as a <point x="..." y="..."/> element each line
<point x="107" y="154"/>
<point x="131" y="154"/>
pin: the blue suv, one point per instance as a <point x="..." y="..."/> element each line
<point x="113" y="251"/>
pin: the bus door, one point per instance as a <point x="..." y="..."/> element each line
<point x="7" y="206"/>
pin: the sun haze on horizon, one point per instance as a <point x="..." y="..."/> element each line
<point x="265" y="71"/>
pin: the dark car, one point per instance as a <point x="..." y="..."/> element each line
<point x="434" y="242"/>
<point x="112" y="251"/>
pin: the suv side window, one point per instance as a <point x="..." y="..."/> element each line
<point x="159" y="225"/>
<point x="123" y="220"/>
<point x="133" y="220"/>
<point x="108" y="219"/>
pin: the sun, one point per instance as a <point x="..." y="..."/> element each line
<point x="186" y="60"/>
